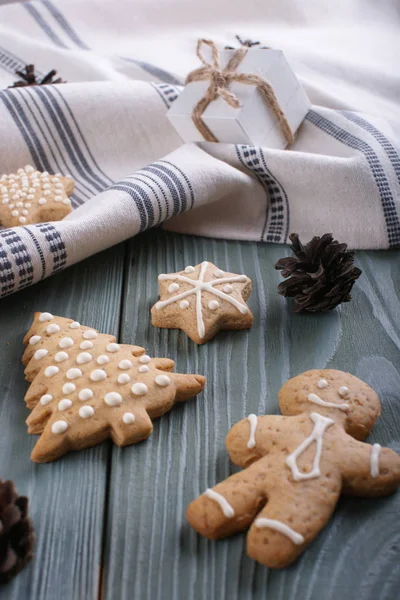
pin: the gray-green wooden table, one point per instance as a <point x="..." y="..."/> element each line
<point x="110" y="522"/>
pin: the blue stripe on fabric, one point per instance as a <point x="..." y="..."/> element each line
<point x="166" y="92"/>
<point x="55" y="245"/>
<point x="35" y="14"/>
<point x="146" y="176"/>
<point x="7" y="277"/>
<point x="136" y="178"/>
<point x="10" y="62"/>
<point x="21" y="257"/>
<point x="184" y="177"/>
<point x="63" y="23"/>
<point x="378" y="173"/>
<point x="169" y="184"/>
<point x="388" y="147"/>
<point x="39" y="250"/>
<point x="170" y="175"/>
<point x="280" y="208"/>
<point x="138" y="200"/>
<point x="153" y="70"/>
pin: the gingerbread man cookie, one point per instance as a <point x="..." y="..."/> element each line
<point x="202" y="300"/>
<point x="296" y="467"/>
<point x="87" y="388"/>
<point x="30" y="196"/>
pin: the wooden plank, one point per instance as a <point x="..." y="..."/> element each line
<point x="66" y="497"/>
<point x="151" y="553"/>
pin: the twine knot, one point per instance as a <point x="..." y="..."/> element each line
<point x="219" y="81"/>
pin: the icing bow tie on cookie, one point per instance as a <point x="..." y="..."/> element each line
<point x="296" y="467"/>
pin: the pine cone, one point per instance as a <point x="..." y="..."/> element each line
<point x="28" y="77"/>
<point x="16" y="532"/>
<point x="321" y="274"/>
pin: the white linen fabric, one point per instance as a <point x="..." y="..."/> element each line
<point x="107" y="127"/>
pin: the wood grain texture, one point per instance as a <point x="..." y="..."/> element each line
<point x="151" y="552"/>
<point x="66" y="497"/>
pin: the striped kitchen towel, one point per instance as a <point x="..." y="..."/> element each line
<point x="107" y="128"/>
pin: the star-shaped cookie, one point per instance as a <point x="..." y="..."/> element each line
<point x="202" y="300"/>
<point x="30" y="196"/>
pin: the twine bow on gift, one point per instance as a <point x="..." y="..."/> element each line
<point x="219" y="82"/>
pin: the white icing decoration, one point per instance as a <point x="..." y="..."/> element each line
<point x="59" y="427"/>
<point x="173" y="287"/>
<point x="39" y="354"/>
<point x="199" y="285"/>
<point x="102" y="359"/>
<point x="219" y="273"/>
<point x="139" y="389"/>
<point x="228" y="289"/>
<point x="66" y="342"/>
<point x="86" y="345"/>
<point x="68" y="388"/>
<point x="73" y="373"/>
<point x="35" y="339"/>
<point x="317" y="400"/>
<point x="83" y="357"/>
<point x="45" y="316"/>
<point x="98" y="375"/>
<point x="189" y="269"/>
<point x="112" y="347"/>
<point x="123" y="378"/>
<point x="145" y="359"/>
<point x="183" y="304"/>
<point x="128" y="418"/>
<point x="162" y="380"/>
<point x="90" y="334"/>
<point x="125" y="364"/>
<point x="74" y="325"/>
<point x="213" y="304"/>
<point x="64" y="404"/>
<point x="322" y="383"/>
<point x="143" y="369"/>
<point x="320" y="424"/>
<point x="343" y="391"/>
<point x="22" y="220"/>
<point x="85" y="394"/>
<point x="51" y="371"/>
<point x="223" y="503"/>
<point x="375" y="452"/>
<point x="45" y="399"/>
<point x="252" y="419"/>
<point x="113" y="399"/>
<point x="61" y="356"/>
<point x="86" y="412"/>
<point x="293" y="535"/>
<point x="42" y="201"/>
<point x="53" y="328"/>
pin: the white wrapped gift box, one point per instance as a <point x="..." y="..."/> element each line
<point x="254" y="122"/>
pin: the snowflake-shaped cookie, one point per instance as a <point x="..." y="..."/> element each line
<point x="30" y="196"/>
<point x="202" y="300"/>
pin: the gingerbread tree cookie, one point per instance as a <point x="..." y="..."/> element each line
<point x="296" y="467"/>
<point x="87" y="388"/>
<point x="30" y="196"/>
<point x="201" y="301"/>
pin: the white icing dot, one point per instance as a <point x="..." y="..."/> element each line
<point x="36" y="184"/>
<point x="29" y="169"/>
<point x="228" y="289"/>
<point x="68" y="388"/>
<point x="123" y="378"/>
<point x="145" y="359"/>
<point x="46" y="399"/>
<point x="139" y="389"/>
<point x="173" y="287"/>
<point x="322" y="383"/>
<point x="47" y="192"/>
<point x="30" y="197"/>
<point x="53" y="328"/>
<point x="22" y="220"/>
<point x="64" y="404"/>
<point x="102" y="359"/>
<point x="74" y="325"/>
<point x="83" y="357"/>
<point x="46" y="186"/>
<point x="85" y="394"/>
<point x="125" y="364"/>
<point x="113" y="399"/>
<point x="143" y="369"/>
<point x="73" y="373"/>
<point x="90" y="334"/>
<point x="189" y="269"/>
<point x="219" y="273"/>
<point x="59" y="427"/>
<point x="128" y="418"/>
<point x="58" y="198"/>
<point x="51" y="371"/>
<point x="61" y="356"/>
<point x="19" y="204"/>
<point x="343" y="391"/>
<point x="183" y="304"/>
<point x="86" y="345"/>
<point x="162" y="380"/>
<point x="11" y="206"/>
<point x="39" y="354"/>
<point x="86" y="412"/>
<point x="15" y="213"/>
<point x="58" y="185"/>
<point x="66" y="342"/>
<point x="66" y="201"/>
<point x="25" y="212"/>
<point x="42" y="201"/>
<point x="213" y="304"/>
<point x="98" y="375"/>
<point x="112" y="347"/>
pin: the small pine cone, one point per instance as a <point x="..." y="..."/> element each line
<point x="16" y="532"/>
<point x="29" y="77"/>
<point x="319" y="276"/>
